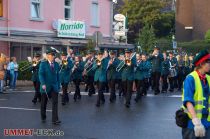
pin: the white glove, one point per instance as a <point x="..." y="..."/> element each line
<point x="198" y="128"/>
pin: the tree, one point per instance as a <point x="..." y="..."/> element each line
<point x="147" y="39"/>
<point x="151" y="12"/>
<point x="207" y="36"/>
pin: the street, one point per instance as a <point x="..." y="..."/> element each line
<point x="151" y="118"/>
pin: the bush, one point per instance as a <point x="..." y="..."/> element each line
<point x="207" y="36"/>
<point x="189" y="47"/>
<point x="194" y="46"/>
<point x="24" y="75"/>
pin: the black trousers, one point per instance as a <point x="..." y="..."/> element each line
<point x="91" y="87"/>
<point x="100" y="98"/>
<point x="180" y="79"/>
<point x="128" y="85"/>
<point x="77" y="94"/>
<point x="37" y="94"/>
<point x="112" y="84"/>
<point x="54" y="97"/>
<point x="120" y="87"/>
<point x="156" y="79"/>
<point x="165" y="82"/>
<point x="172" y="82"/>
<point x="139" y="88"/>
<point x="65" y="96"/>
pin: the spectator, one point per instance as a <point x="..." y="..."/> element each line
<point x="13" y="66"/>
<point x="7" y="72"/>
<point x="2" y="63"/>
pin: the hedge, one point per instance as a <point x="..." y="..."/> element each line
<point x="190" y="47"/>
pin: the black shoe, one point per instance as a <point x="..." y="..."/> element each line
<point x="56" y="122"/>
<point x="63" y="103"/>
<point x="171" y="90"/>
<point x="79" y="97"/>
<point x="127" y="105"/>
<point x="136" y="100"/>
<point x="156" y="93"/>
<point x="111" y="101"/>
<point x="34" y="101"/>
<point x="89" y="94"/>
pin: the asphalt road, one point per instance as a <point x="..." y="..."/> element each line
<point x="151" y="118"/>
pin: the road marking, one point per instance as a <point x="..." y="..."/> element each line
<point x="26" y="109"/>
<point x="3" y="99"/>
<point x="107" y="94"/>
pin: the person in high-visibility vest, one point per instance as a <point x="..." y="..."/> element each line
<point x="196" y="98"/>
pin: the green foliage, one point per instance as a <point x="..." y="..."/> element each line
<point x="142" y="12"/>
<point x="147" y="38"/>
<point x="166" y="25"/>
<point x="194" y="46"/>
<point x="189" y="47"/>
<point x="24" y="75"/>
<point x="207" y="36"/>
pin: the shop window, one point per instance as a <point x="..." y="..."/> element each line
<point x="67" y="9"/>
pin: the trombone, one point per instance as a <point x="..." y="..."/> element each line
<point x="126" y="61"/>
<point x="29" y="65"/>
<point x="63" y="63"/>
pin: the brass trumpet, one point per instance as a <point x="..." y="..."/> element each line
<point x="98" y="62"/>
<point x="64" y="62"/>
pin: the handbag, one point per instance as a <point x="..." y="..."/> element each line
<point x="1" y="75"/>
<point x="182" y="118"/>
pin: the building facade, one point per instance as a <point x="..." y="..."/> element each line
<point x="192" y="19"/>
<point x="31" y="26"/>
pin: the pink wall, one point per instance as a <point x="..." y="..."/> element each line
<point x="84" y="13"/>
<point x="4" y="48"/>
<point x="54" y="9"/>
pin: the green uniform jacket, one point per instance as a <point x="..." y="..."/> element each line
<point x="142" y="70"/>
<point x="49" y="77"/>
<point x="77" y="73"/>
<point x="35" y="71"/>
<point x="128" y="71"/>
<point x="165" y="67"/>
<point x="112" y="74"/>
<point x="65" y="72"/>
<point x="156" y="62"/>
<point x="100" y="71"/>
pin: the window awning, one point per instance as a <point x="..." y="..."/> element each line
<point x="42" y="40"/>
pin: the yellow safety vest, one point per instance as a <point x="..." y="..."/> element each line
<point x="198" y="96"/>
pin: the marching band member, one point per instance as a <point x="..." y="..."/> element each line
<point x="119" y="76"/>
<point x="35" y="77"/>
<point x="65" y="76"/>
<point x="141" y="75"/>
<point x="77" y="76"/>
<point x="146" y="67"/>
<point x="100" y="67"/>
<point x="50" y="86"/>
<point x="128" y="76"/>
<point x="112" y="74"/>
<point x="156" y="60"/>
<point x="180" y="71"/>
<point x="173" y="73"/>
<point x="90" y="73"/>
<point x="164" y="73"/>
